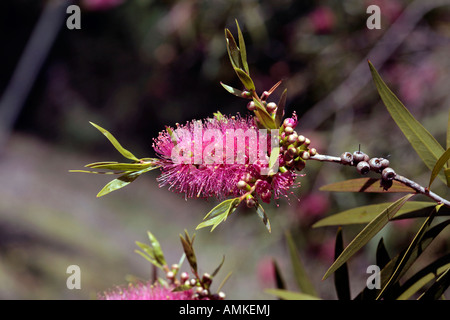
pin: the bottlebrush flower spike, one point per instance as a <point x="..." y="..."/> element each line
<point x="146" y="291"/>
<point x="221" y="157"/>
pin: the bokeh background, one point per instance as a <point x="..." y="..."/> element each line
<point x="138" y="65"/>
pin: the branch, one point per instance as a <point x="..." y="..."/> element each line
<point x="407" y="182"/>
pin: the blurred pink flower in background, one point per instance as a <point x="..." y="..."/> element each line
<point x="266" y="272"/>
<point x="314" y="205"/>
<point x="322" y="19"/>
<point x="145" y="291"/>
<point x="101" y="4"/>
<point x="413" y="81"/>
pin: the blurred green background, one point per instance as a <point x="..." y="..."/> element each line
<point x="136" y="66"/>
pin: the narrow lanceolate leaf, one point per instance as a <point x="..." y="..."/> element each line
<point x="157" y="251"/>
<point x="290" y="295"/>
<point x="148" y="253"/>
<point x="365" y="185"/>
<point x="448" y="135"/>
<point x="424" y="276"/>
<point x="127" y="154"/>
<point x="234" y="91"/>
<point x="218" y="268"/>
<point x="409" y="251"/>
<point x="188" y="248"/>
<point x="364" y="214"/>
<point x="382" y="256"/>
<point x="233" y="50"/>
<point x="341" y="279"/>
<point x="367" y="234"/>
<point x="219" y="213"/>
<point x="245" y="79"/>
<point x="262" y="214"/>
<point x="301" y="277"/>
<point x="447" y="176"/>
<point x="426" y="146"/>
<point x="122" y="181"/>
<point x="124" y="166"/>
<point x="388" y="270"/>
<point x="439" y="165"/>
<point x="182" y="287"/>
<point x="438" y="288"/>
<point x="118" y="183"/>
<point x="279" y="280"/>
<point x="264" y="117"/>
<point x="242" y="49"/>
<point x="273" y="160"/>
<point x="280" y="108"/>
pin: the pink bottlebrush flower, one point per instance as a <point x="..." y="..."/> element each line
<point x="146" y="291"/>
<point x="220" y="157"/>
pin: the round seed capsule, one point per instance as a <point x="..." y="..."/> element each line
<point x="360" y="156"/>
<point x="375" y="164"/>
<point x="347" y="158"/>
<point x="363" y="167"/>
<point x="388" y="174"/>
<point x="384" y="163"/>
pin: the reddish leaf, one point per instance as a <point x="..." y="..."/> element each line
<point x="365" y="185"/>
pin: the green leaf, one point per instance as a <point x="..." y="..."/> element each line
<point x="127" y="154"/>
<point x="365" y="185"/>
<point x="182" y="287"/>
<point x="279" y="281"/>
<point x="405" y="258"/>
<point x="448" y="135"/>
<point x="364" y="214"/>
<point x="118" y="183"/>
<point x="439" y="165"/>
<point x="341" y="279"/>
<point x="188" y="248"/>
<point x="273" y="160"/>
<point x="245" y="79"/>
<point x="262" y="214"/>
<point x="218" y="268"/>
<point x="388" y="270"/>
<point x="233" y="91"/>
<point x="426" y="146"/>
<point x="438" y="288"/>
<point x="233" y="50"/>
<point x="157" y="251"/>
<point x="280" y="108"/>
<point x="447" y="176"/>
<point x="123" y="166"/>
<point x="367" y="233"/>
<point x="424" y="276"/>
<point x="242" y="49"/>
<point x="122" y="181"/>
<point x="264" y="117"/>
<point x="382" y="255"/>
<point x="290" y="295"/>
<point x="219" y="213"/>
<point x="301" y="277"/>
<point x="224" y="281"/>
<point x="148" y="254"/>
